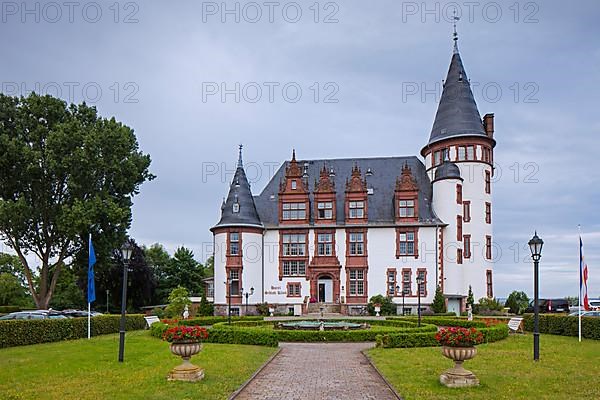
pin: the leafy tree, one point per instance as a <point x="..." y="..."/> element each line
<point x="65" y="172"/>
<point x="573" y="301"/>
<point x="209" y="266"/>
<point x="387" y="306"/>
<point x="517" y="302"/>
<point x="178" y="299"/>
<point x="159" y="260"/>
<point x="141" y="282"/>
<point x="12" y="293"/>
<point x="470" y="298"/>
<point x="67" y="294"/>
<point x="186" y="272"/>
<point x="439" y="303"/>
<point x="205" y="307"/>
<point x="488" y="306"/>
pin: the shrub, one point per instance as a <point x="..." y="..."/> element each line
<point x="178" y="299"/>
<point x="25" y="332"/>
<point x="206" y="309"/>
<point x="262" y="308"/>
<point x="565" y="325"/>
<point x="517" y="302"/>
<point x="205" y="321"/>
<point x="488" y="306"/>
<point x="439" y="303"/>
<point x="157" y="329"/>
<point x="387" y="306"/>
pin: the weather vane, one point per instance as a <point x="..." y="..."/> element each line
<point x="455" y="34"/>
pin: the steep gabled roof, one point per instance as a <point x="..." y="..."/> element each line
<point x="381" y="174"/>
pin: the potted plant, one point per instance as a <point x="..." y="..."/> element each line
<point x="458" y="344"/>
<point x="186" y="341"/>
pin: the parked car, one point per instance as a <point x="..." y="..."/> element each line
<point x="35" y="314"/>
<point x="594" y="304"/>
<point x="550" y="306"/>
<point x="585" y="314"/>
<point x="78" y="313"/>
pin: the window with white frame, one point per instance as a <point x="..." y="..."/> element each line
<point x="406" y="243"/>
<point x="406" y="208"/>
<point x="406" y="284"/>
<point x="234" y="282"/>
<point x="357" y="209"/>
<point x="357" y="243"/>
<point x="324" y="244"/>
<point x="294" y="244"/>
<point x="325" y="210"/>
<point x="294" y="268"/>
<point x="391" y="282"/>
<point x="357" y="282"/>
<point x="234" y="243"/>
<point x="292" y="211"/>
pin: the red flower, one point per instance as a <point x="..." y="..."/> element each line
<point x="177" y="333"/>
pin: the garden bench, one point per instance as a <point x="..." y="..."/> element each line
<point x="515" y="325"/>
<point x="152" y="319"/>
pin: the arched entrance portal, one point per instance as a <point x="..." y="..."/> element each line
<point x="325" y="289"/>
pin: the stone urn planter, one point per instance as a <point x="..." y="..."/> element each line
<point x="186" y="341"/>
<point x="186" y="371"/>
<point x="458" y="344"/>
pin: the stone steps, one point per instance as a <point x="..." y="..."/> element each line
<point x="328" y="308"/>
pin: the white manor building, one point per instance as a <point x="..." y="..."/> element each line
<point x="339" y="231"/>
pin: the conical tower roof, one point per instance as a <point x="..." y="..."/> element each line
<point x="239" y="208"/>
<point x="457" y="114"/>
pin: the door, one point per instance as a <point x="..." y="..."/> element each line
<point x="321" y="293"/>
<point x="454" y="306"/>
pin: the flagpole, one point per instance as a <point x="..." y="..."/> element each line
<point x="580" y="277"/>
<point x="89" y="304"/>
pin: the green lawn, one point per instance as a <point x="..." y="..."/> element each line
<point x="83" y="369"/>
<point x="567" y="370"/>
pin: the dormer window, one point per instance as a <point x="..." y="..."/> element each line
<point x="325" y="210"/>
<point x="236" y="208"/>
<point x="294" y="185"/>
<point x="356" y="209"/>
<point x="294" y="211"/>
<point x="406" y="208"/>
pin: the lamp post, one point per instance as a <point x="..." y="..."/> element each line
<point x="404" y="292"/>
<point x="126" y="251"/>
<point x="419" y="283"/>
<point x="535" y="245"/>
<point x="107" y="294"/>
<point x="246" y="295"/>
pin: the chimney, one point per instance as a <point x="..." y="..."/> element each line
<point x="488" y="124"/>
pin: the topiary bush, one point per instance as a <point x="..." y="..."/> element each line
<point x="25" y="332"/>
<point x="565" y="325"/>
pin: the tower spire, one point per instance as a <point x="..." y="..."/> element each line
<point x="240" y="163"/>
<point x="455" y="34"/>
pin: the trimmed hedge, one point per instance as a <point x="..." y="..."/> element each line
<point x="205" y="321"/>
<point x="492" y="334"/>
<point x="441" y="321"/>
<point x="565" y="325"/>
<point x="26" y="332"/>
<point x="9" y="309"/>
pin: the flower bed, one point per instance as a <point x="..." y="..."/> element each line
<point x="459" y="337"/>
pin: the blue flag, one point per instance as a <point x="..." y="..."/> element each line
<point x="91" y="284"/>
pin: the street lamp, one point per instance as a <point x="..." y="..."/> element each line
<point x="420" y="281"/>
<point x="246" y="295"/>
<point x="126" y="251"/>
<point x="535" y="245"/>
<point x="403" y="294"/>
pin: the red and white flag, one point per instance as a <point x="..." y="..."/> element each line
<point x="583" y="278"/>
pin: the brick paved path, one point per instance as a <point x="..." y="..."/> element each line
<point x="318" y="371"/>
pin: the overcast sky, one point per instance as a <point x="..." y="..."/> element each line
<point x="332" y="79"/>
